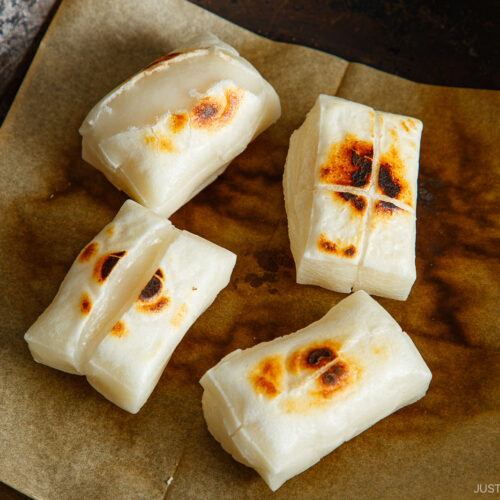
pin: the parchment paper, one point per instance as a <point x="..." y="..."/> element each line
<point x="60" y="439"/>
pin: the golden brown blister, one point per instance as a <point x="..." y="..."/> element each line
<point x="349" y="163"/>
<point x="267" y="377"/>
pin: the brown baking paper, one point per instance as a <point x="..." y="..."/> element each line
<point x="61" y="439"/>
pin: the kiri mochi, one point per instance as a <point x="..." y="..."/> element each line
<point x="131" y="358"/>
<point x="126" y="303"/>
<point x="100" y="286"/>
<point x="171" y="129"/>
<point x="281" y="406"/>
<point x="350" y="187"/>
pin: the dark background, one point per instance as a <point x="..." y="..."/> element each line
<point x="443" y="42"/>
<point x="440" y="42"/>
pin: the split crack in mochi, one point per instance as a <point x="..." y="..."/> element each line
<point x="350" y="187"/>
<point x="171" y="129"/>
<point x="322" y="385"/>
<point x="108" y="323"/>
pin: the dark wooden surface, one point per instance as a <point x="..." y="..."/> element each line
<point x="437" y="42"/>
<point x="430" y="41"/>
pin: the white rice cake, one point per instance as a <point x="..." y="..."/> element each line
<point x="130" y="360"/>
<point x="333" y="249"/>
<point x="372" y="159"/>
<point x="322" y="386"/>
<point x="99" y="287"/>
<point x="171" y="129"/>
<point x="390" y="252"/>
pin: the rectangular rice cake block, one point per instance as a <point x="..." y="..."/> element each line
<point x="171" y="129"/>
<point x="99" y="287"/>
<point x="322" y="386"/>
<point x="131" y="358"/>
<point x="371" y="158"/>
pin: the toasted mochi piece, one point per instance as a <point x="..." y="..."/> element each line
<point x="281" y="406"/>
<point x="101" y="284"/>
<point x="348" y="151"/>
<point x="170" y="130"/>
<point x="131" y="358"/>
<point x="388" y="267"/>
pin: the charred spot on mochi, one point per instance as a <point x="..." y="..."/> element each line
<point x="320" y="357"/>
<point x="151" y="299"/>
<point x="332" y="380"/>
<point x="105" y="265"/>
<point x="151" y="290"/>
<point x="350" y="251"/>
<point x="387" y="182"/>
<point x="210" y="112"/>
<point x="312" y="356"/>
<point x="119" y="329"/>
<point x="85" y="304"/>
<point x="385" y="207"/>
<point x="349" y="163"/>
<point x="361" y="176"/>
<point x="108" y="265"/>
<point x="325" y="245"/>
<point x="110" y="231"/>
<point x="267" y="377"/>
<point x="358" y="202"/>
<point x="88" y="252"/>
<point x="159" y="305"/>
<point x="333" y="375"/>
<point x="153" y="307"/>
<point x="163" y="59"/>
<point x="206" y="112"/>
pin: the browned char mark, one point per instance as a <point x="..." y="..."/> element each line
<point x="152" y="298"/>
<point x="85" y="304"/>
<point x="88" y="252"/>
<point x="358" y="202"/>
<point x="389" y="185"/>
<point x="312" y="357"/>
<point x="385" y="208"/>
<point x="327" y="246"/>
<point x="106" y="264"/>
<point x="267" y="377"/>
<point x="349" y="163"/>
<point x="211" y="112"/>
